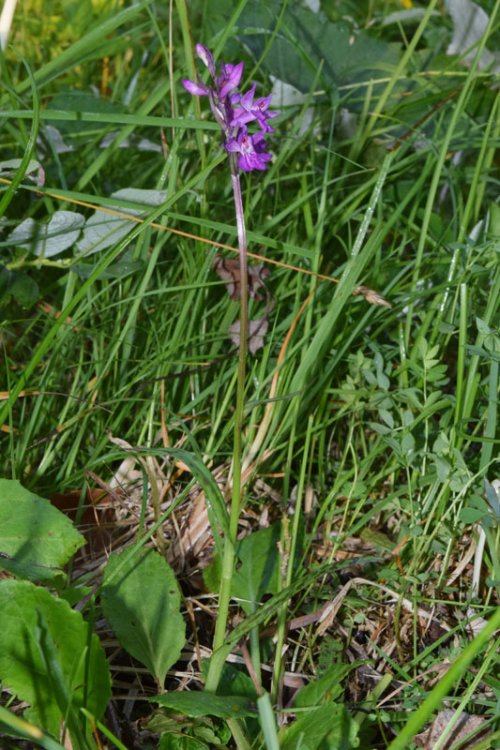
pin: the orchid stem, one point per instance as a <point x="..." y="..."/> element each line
<point x="233" y="111"/>
<point x="216" y="663"/>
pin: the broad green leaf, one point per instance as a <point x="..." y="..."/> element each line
<point x="36" y="539"/>
<point x="141" y="600"/>
<point x="328" y="727"/>
<point x="30" y="619"/>
<point x="470" y="23"/>
<point x="72" y="100"/>
<point x="207" y="704"/>
<point x="258" y="573"/>
<point x="104" y="230"/>
<point x="47" y="240"/>
<point x="8" y="166"/>
<point x="308" y="41"/>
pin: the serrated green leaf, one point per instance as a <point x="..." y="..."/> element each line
<point x="37" y="539"/>
<point x="141" y="600"/>
<point x="24" y="668"/>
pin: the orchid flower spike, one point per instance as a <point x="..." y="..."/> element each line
<point x="233" y="111"/>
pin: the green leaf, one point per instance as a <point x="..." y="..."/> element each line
<point x="124" y="266"/>
<point x="482" y="327"/>
<point x="493" y="499"/>
<point x="104" y="230"/>
<point x="216" y="506"/>
<point x="72" y="100"/>
<point x="181" y="742"/>
<point x="187" y="734"/>
<point x="233" y="681"/>
<point x="470" y="516"/>
<point x="494" y="221"/>
<point x="9" y="166"/>
<point x="308" y="42"/>
<point x="52" y="238"/>
<point x="141" y="600"/>
<point x="327" y="728"/>
<point x="18" y="287"/>
<point x="259" y="570"/>
<point x="31" y="653"/>
<point x="37" y="539"/>
<point x="207" y="704"/>
<point x="325" y="688"/>
<point x="470" y="23"/>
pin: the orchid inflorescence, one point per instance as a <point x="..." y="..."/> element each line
<point x="233" y="111"/>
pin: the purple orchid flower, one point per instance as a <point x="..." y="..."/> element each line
<point x="251" y="150"/>
<point x="234" y="111"/>
<point x="229" y="79"/>
<point x="206" y="57"/>
<point x="197" y="89"/>
<point x="249" y="110"/>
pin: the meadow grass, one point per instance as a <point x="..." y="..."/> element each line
<point x="370" y="431"/>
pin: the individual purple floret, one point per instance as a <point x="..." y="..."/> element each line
<point x="234" y="111"/>
<point x="248" y="110"/>
<point x="229" y="79"/>
<point x="251" y="150"/>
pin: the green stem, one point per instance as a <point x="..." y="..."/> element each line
<point x="217" y="661"/>
<point x="239" y="737"/>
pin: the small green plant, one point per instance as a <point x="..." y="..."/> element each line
<point x="50" y="656"/>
